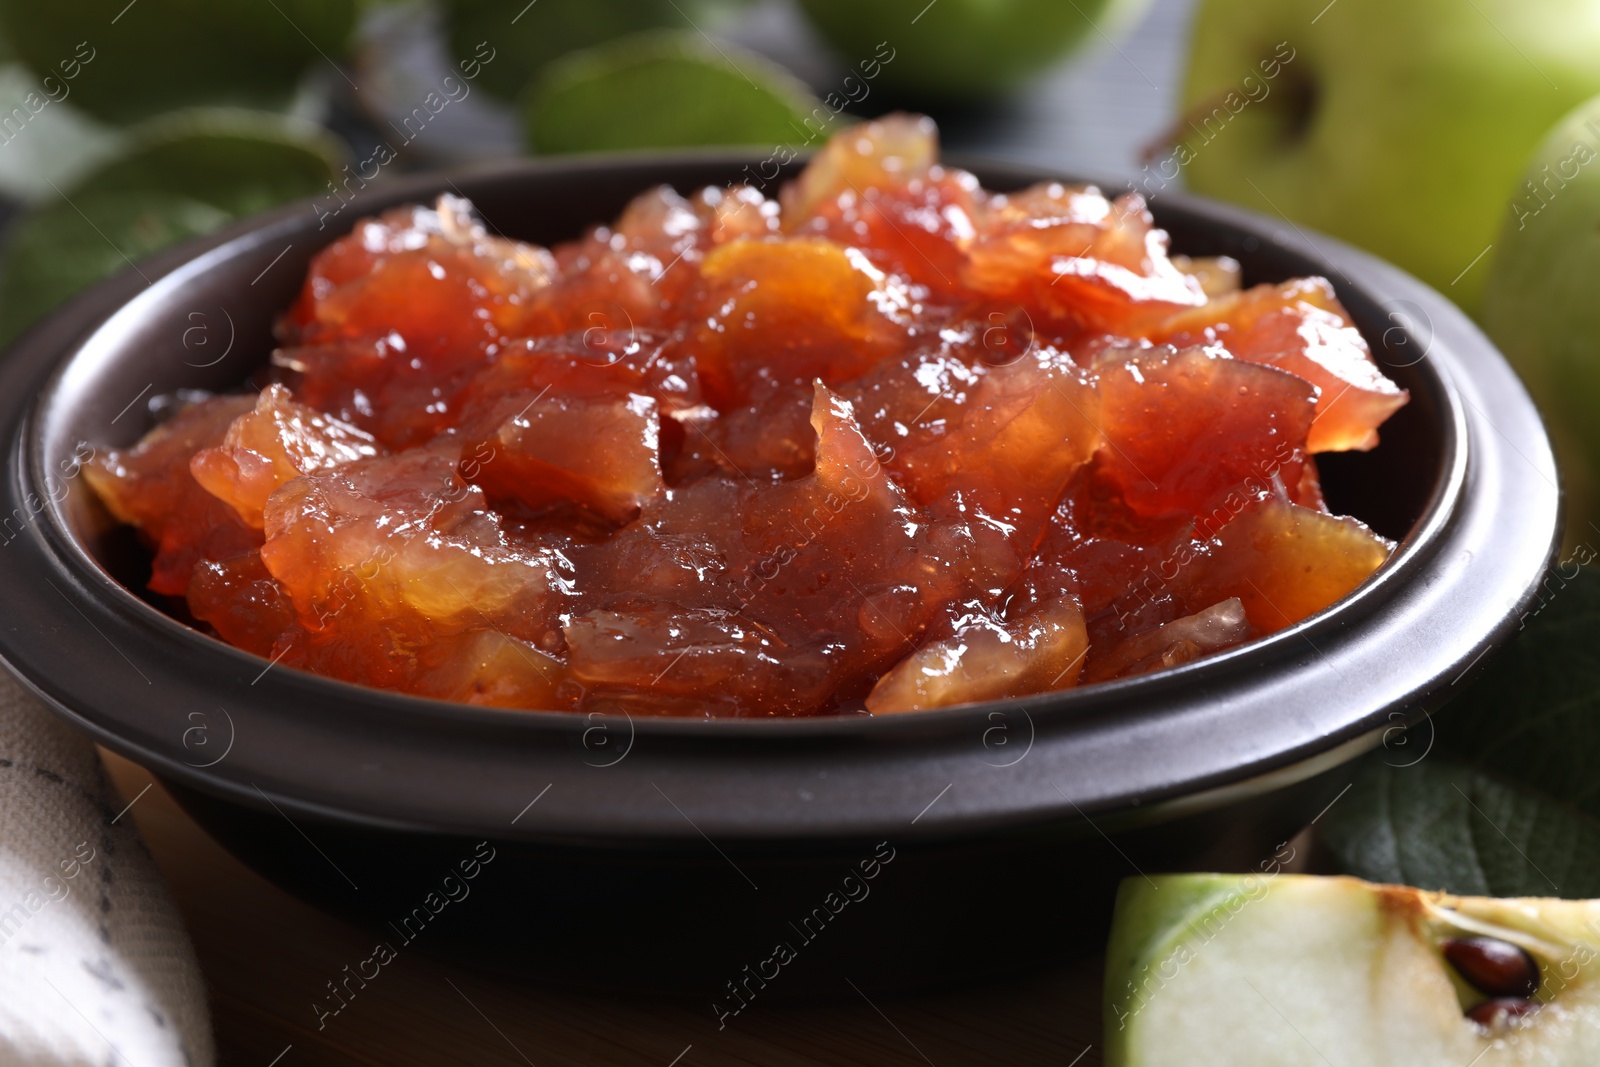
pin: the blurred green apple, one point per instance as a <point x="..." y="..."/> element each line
<point x="1542" y="306"/>
<point x="663" y="89"/>
<point x="950" y="50"/>
<point x="528" y="37"/>
<point x="1398" y="125"/>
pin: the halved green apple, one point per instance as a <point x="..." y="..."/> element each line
<point x="1288" y="970"/>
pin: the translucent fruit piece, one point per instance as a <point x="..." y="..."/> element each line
<point x="660" y="231"/>
<point x="1286" y="562"/>
<point x="242" y="601"/>
<point x="1217" y="275"/>
<point x="600" y="398"/>
<point x="487" y="667"/>
<point x="593" y="364"/>
<point x="735" y="212"/>
<point x="635" y="274"/>
<point x="357" y="286"/>
<point x="1005" y="437"/>
<point x="884" y="154"/>
<point x="1300" y="326"/>
<point x="149" y="486"/>
<point x="1174" y="643"/>
<point x="546" y="450"/>
<point x="279" y="440"/>
<point x="792" y="595"/>
<point x="877" y="188"/>
<point x="1078" y="259"/>
<point x="1030" y="426"/>
<point x="393" y="317"/>
<point x="384" y="555"/>
<point x="769" y="438"/>
<point x="920" y="231"/>
<point x="793" y="311"/>
<point x="1308" y="492"/>
<point x="988" y="659"/>
<point x="708" y="656"/>
<point x="1186" y="429"/>
<point x="840" y="562"/>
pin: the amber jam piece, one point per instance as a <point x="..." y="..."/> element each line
<point x="150" y="487"/>
<point x="264" y="448"/>
<point x="1300" y="327"/>
<point x="883" y="443"/>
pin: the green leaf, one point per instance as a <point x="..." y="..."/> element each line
<point x="1508" y="801"/>
<point x="63" y="247"/>
<point x="179" y="176"/>
<point x="236" y="160"/>
<point x="1534" y="716"/>
<point x="45" y="142"/>
<point x="664" y="90"/>
<point x="124" y="61"/>
<point x="1444" y="824"/>
<point x="525" y="37"/>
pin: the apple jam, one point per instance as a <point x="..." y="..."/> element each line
<point x="885" y="443"/>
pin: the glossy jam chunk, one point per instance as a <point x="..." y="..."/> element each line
<point x="526" y="456"/>
<point x="800" y="591"/>
<point x="242" y="601"/>
<point x="150" y="487"/>
<point x="881" y="190"/>
<point x="1299" y="327"/>
<point x="885" y="443"/>
<point x="394" y="317"/>
<point x="1079" y="261"/>
<point x="1185" y="428"/>
<point x="789" y="311"/>
<point x="988" y="659"/>
<point x="1174" y="643"/>
<point x="1002" y="436"/>
<point x="1264" y="556"/>
<point x="278" y="441"/>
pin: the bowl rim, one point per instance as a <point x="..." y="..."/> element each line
<point x="61" y="552"/>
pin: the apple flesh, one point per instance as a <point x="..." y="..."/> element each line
<point x="1543" y="302"/>
<point x="1238" y="971"/>
<point x="1397" y="125"/>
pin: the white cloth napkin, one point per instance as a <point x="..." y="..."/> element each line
<point x="95" y="967"/>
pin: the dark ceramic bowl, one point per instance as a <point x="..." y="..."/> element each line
<point x="670" y="854"/>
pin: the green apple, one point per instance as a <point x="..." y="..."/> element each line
<point x="1543" y="301"/>
<point x="951" y="50"/>
<point x="664" y="89"/>
<point x="1398" y="125"/>
<point x="527" y="37"/>
<point x="1303" y="971"/>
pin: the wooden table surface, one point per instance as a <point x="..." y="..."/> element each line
<point x="266" y="955"/>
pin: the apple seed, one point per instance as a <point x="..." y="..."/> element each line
<point x="1496" y="1013"/>
<point x="1492" y="966"/>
